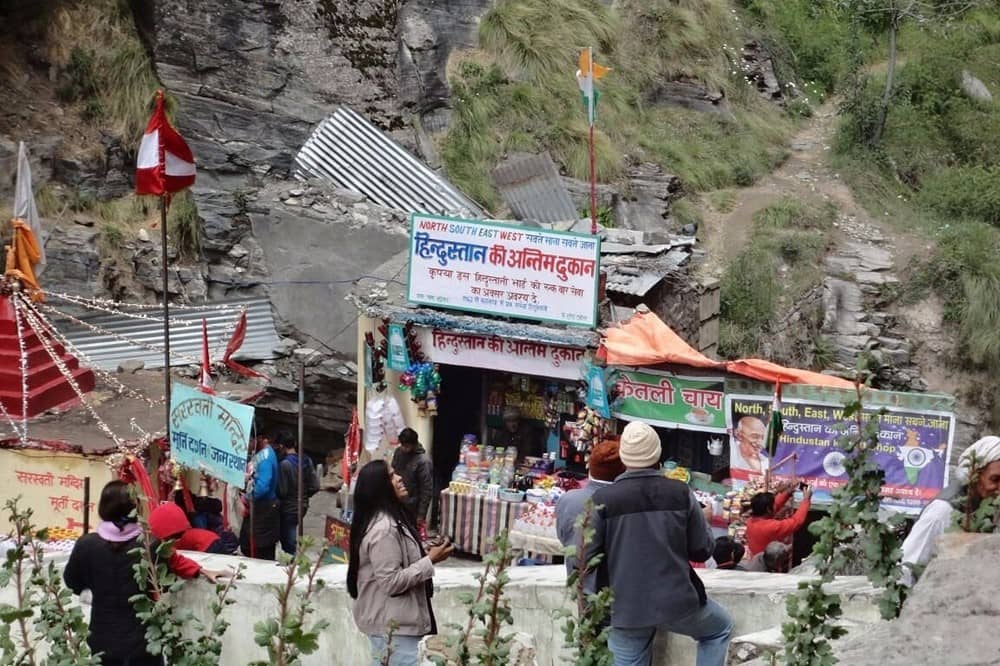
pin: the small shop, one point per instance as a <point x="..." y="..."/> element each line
<point x="509" y="409"/>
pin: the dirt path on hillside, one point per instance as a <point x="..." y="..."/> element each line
<point x="804" y="174"/>
<point x="862" y="268"/>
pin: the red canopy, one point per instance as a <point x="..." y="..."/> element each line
<point x="646" y="340"/>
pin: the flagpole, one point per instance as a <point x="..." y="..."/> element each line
<point x="593" y="173"/>
<point x="166" y="316"/>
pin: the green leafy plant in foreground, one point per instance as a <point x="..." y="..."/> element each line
<point x="39" y="586"/>
<point x="289" y="636"/>
<point x="587" y="633"/>
<point x="172" y="630"/>
<point x="488" y="607"/>
<point x="851" y="526"/>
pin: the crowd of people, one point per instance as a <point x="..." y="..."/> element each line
<point x="642" y="522"/>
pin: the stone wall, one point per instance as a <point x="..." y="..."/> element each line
<point x="757" y="601"/>
<point x="691" y="308"/>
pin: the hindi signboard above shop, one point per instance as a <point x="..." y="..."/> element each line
<point x="210" y="434"/>
<point x="523" y="357"/>
<point x="505" y="270"/>
<point x="668" y="401"/>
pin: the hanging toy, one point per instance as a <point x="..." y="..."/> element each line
<point x="432" y="403"/>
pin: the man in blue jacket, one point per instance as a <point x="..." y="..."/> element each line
<point x="261" y="528"/>
<point x="649" y="529"/>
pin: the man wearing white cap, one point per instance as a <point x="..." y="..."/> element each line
<point x="649" y="529"/>
<point x="976" y="478"/>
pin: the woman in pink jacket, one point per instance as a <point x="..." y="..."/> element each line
<point x="388" y="574"/>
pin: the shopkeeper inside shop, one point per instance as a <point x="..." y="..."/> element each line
<point x="517" y="432"/>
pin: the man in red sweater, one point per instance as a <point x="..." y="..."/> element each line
<point x="763" y="527"/>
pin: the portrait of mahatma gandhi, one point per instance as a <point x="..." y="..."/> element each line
<point x="749" y="434"/>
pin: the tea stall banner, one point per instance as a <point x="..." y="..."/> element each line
<point x="669" y="401"/>
<point x="210" y="434"/>
<point x="505" y="270"/>
<point x="913" y="447"/>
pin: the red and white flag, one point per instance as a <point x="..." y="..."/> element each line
<point x="205" y="384"/>
<point x="165" y="164"/>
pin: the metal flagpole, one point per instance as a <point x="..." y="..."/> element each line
<point x="166" y="317"/>
<point x="302" y="406"/>
<point x="591" y="103"/>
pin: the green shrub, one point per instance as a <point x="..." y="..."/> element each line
<point x="980" y="326"/>
<point x="184" y="225"/>
<point x="964" y="192"/>
<point x="789" y="213"/>
<point x="684" y="212"/>
<point x="964" y="251"/>
<point x="811" y="36"/>
<point x="723" y="201"/>
<point x="81" y="78"/>
<point x="749" y="295"/>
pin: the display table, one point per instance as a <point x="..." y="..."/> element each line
<point x="472" y="521"/>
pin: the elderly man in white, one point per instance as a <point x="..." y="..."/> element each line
<point x="977" y="478"/>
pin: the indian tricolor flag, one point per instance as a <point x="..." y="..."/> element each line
<point x="775" y="426"/>
<point x="586" y="74"/>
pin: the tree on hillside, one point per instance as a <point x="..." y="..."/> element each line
<point x="887" y="17"/>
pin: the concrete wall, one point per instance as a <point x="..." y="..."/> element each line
<point x="757" y="601"/>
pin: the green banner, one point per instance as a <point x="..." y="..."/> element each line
<point x="691" y="403"/>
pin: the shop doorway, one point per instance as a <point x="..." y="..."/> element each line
<point x="459" y="412"/>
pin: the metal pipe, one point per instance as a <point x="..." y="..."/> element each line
<point x="302" y="406"/>
<point x="166" y="317"/>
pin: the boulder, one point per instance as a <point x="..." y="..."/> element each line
<point x="975" y="88"/>
<point x="131" y="366"/>
<point x="689" y="93"/>
<point x="952" y="601"/>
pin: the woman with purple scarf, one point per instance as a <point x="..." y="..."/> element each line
<point x="103" y="562"/>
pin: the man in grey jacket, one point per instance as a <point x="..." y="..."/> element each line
<point x="649" y="529"/>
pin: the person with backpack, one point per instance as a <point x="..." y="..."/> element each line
<point x="288" y="488"/>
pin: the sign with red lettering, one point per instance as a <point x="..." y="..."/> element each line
<point x="522" y="357"/>
<point x="505" y="270"/>
<point x="669" y="401"/>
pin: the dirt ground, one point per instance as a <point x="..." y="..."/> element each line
<point x="79" y="426"/>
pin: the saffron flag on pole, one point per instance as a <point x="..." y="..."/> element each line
<point x="587" y="73"/>
<point x="165" y="164"/>
<point x="776" y="424"/>
<point x="205" y="384"/>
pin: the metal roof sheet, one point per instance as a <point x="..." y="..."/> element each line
<point x="633" y="285"/>
<point x="106" y="351"/>
<point x="532" y="187"/>
<point x="350" y="152"/>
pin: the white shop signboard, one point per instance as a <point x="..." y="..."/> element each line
<point x="504" y="270"/>
<point x="522" y="357"/>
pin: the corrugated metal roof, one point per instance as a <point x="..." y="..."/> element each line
<point x="350" y="152"/>
<point x="637" y="284"/>
<point x="532" y="187"/>
<point x="107" y="352"/>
